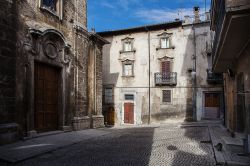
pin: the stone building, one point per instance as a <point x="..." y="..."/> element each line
<point x="50" y="68"/>
<point x="156" y="72"/>
<point x="231" y="50"/>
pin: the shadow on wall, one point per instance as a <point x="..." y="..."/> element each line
<point x="8" y="38"/>
<point x="188" y="64"/>
<point x="112" y="77"/>
<point x="181" y="106"/>
<point x="110" y="80"/>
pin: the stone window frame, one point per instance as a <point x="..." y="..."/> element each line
<point x="167" y="100"/>
<point x="168" y="36"/>
<point x="127" y="62"/>
<point x="59" y="9"/>
<point x="127" y="40"/>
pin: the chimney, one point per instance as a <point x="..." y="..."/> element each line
<point x="197" y="14"/>
<point x="186" y="19"/>
<point x="207" y="16"/>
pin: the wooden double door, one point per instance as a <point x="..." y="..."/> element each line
<point x="212" y="105"/>
<point x="129" y="113"/>
<point x="46" y="97"/>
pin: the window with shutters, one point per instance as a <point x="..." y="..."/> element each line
<point x="166" y="96"/>
<point x="165" y="66"/>
<point x="52" y="6"/>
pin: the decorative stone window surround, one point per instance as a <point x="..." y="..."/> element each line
<point x="127" y="62"/>
<point x="130" y="40"/>
<point x="163" y="36"/>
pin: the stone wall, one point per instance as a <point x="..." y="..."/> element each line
<point x="8" y="26"/>
<point x="25" y="31"/>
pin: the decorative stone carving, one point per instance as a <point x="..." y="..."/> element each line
<point x="29" y="45"/>
<point x="50" y="50"/>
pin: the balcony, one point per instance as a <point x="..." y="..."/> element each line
<point x="162" y="79"/>
<point x="217" y="22"/>
<point x="231" y="23"/>
<point x="214" y="78"/>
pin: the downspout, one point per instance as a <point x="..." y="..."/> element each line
<point x="95" y="85"/>
<point x="194" y="79"/>
<point x="149" y="89"/>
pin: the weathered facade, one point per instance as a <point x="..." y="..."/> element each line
<point x="50" y="72"/>
<point x="156" y="72"/>
<point x="231" y="49"/>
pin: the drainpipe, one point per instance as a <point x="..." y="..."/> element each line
<point x="194" y="79"/>
<point x="95" y="78"/>
<point x="149" y="89"/>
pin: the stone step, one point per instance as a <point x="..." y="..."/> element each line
<point x="234" y="145"/>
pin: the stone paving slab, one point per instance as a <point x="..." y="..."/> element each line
<point x="30" y="148"/>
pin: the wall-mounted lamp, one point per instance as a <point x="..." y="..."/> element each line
<point x="193" y="74"/>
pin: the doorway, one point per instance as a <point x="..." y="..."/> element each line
<point x="212" y="106"/>
<point x="129" y="113"/>
<point x="46" y="97"/>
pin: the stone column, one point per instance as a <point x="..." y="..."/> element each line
<point x="95" y="86"/>
<point x="81" y="119"/>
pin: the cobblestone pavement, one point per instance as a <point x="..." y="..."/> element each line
<point x="164" y="145"/>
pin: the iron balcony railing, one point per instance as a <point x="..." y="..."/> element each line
<point x="214" y="77"/>
<point x="219" y="15"/>
<point x="169" y="78"/>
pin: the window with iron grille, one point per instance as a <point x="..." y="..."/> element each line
<point x="129" y="97"/>
<point x="166" y="96"/>
<point x="108" y="95"/>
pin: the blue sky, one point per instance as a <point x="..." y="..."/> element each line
<point x="119" y="14"/>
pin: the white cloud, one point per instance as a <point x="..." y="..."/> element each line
<point x="160" y="15"/>
<point x="108" y="5"/>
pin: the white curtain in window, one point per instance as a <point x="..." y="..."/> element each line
<point x="165" y="43"/>
<point x="127" y="46"/>
<point x="128" y="69"/>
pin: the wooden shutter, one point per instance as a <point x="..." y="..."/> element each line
<point x="165" y="66"/>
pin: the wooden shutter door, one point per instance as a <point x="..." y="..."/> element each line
<point x="165" y="66"/>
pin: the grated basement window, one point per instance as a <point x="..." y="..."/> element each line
<point x="166" y="96"/>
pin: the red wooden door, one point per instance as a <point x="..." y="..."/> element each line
<point x="129" y="113"/>
<point x="46" y="97"/>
